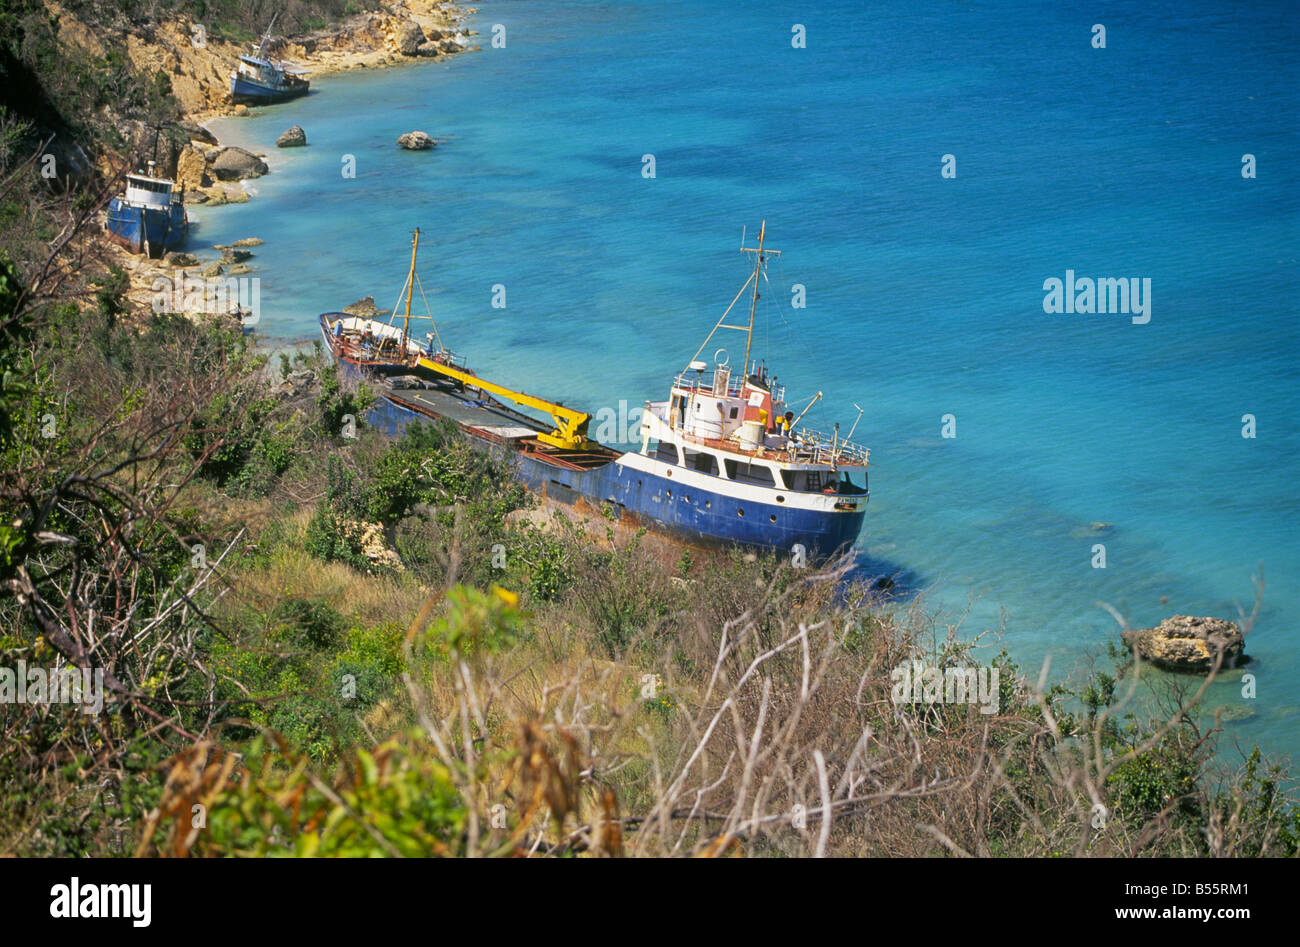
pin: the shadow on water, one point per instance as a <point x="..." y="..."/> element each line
<point x="893" y="581"/>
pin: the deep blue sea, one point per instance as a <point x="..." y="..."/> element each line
<point x="924" y="293"/>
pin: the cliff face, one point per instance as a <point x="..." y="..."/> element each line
<point x="198" y="67"/>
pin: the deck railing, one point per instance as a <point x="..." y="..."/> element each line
<point x="826" y="449"/>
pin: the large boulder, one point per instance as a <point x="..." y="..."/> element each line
<point x="428" y="49"/>
<point x="233" y="255"/>
<point x="407" y="38"/>
<point x="192" y="169"/>
<point x="1188" y="643"/>
<point x="234" y="164"/>
<point x="416" y="141"/>
<point x="292" y="138"/>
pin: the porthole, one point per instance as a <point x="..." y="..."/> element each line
<point x="670" y="494"/>
<point x="708" y="504"/>
<point x="772" y="517"/>
<point x="740" y="512"/>
<point x="780" y="499"/>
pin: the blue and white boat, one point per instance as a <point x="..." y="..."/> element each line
<point x="149" y="217"/>
<point x="721" y="461"/>
<point x="260" y="80"/>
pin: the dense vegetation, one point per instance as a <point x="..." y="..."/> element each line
<point x="322" y="644"/>
<point x="317" y="644"/>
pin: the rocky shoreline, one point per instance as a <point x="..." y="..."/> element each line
<point x="199" y="67"/>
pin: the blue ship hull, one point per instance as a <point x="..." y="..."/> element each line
<point x="143" y="229"/>
<point x="701" y="516"/>
<point x="243" y="89"/>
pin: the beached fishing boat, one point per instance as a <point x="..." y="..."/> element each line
<point x="377" y="347"/>
<point x="259" y="80"/>
<point x="721" y="460"/>
<point x="149" y="216"/>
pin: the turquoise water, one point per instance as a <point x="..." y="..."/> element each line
<point x="925" y="294"/>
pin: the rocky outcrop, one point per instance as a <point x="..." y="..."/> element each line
<point x="248" y="242"/>
<point x="1189" y="643"/>
<point x="416" y="141"/>
<point x="234" y="164"/>
<point x="407" y="37"/>
<point x="292" y="138"/>
<point x="217" y="196"/>
<point x="365" y="308"/>
<point x="234" y="255"/>
<point x="176" y="258"/>
<point x="198" y="133"/>
<point x="192" y="169"/>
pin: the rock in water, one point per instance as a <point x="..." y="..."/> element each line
<point x="428" y="49"/>
<point x="176" y="258"/>
<point x="292" y="138"/>
<point x="1188" y="643"/>
<point x="415" y="141"/>
<point x="233" y="163"/>
<point x="365" y="308"/>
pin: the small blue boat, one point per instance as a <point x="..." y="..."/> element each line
<point x="149" y="217"/>
<point x="260" y="80"/>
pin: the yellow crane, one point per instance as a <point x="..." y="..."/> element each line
<point x="570" y="426"/>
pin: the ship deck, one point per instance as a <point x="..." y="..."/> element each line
<point x="486" y="417"/>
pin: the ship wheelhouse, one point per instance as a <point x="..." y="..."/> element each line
<point x="149" y="192"/>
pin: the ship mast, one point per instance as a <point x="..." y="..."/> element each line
<point x="410" y="288"/>
<point x="266" y="38"/>
<point x="762" y="255"/>
<point x="753" y="303"/>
